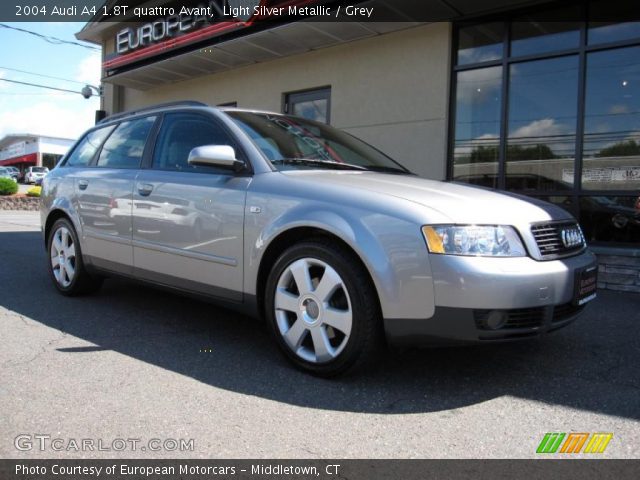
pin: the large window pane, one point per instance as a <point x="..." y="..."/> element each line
<point x="477" y="130"/>
<point x="529" y="37"/>
<point x="604" y="32"/>
<point x="480" y="43"/>
<point x="611" y="154"/>
<point x="611" y="219"/>
<point x="542" y="124"/>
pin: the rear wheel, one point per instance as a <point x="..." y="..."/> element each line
<point x="322" y="308"/>
<point x="65" y="261"/>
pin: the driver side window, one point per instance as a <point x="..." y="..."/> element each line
<point x="182" y="132"/>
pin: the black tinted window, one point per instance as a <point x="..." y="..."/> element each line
<point x="181" y="133"/>
<point x="125" y="146"/>
<point x="88" y="147"/>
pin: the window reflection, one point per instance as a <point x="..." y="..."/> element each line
<point x="480" y="43"/>
<point x="605" y="32"/>
<point x="563" y="201"/>
<point x="611" y="219"/>
<point x="529" y="36"/>
<point x="542" y="122"/>
<point x="611" y="149"/>
<point x="478" y="104"/>
<point x="312" y="104"/>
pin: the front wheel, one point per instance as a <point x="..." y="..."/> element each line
<point x="322" y="308"/>
<point x="66" y="267"/>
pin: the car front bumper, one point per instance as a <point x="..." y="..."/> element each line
<point x="529" y="297"/>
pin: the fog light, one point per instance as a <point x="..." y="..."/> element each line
<point x="496" y="319"/>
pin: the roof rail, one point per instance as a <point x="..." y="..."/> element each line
<point x="182" y="103"/>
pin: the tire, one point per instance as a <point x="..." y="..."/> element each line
<point x="331" y="323"/>
<point x="65" y="263"/>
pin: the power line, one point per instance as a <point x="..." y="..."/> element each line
<point x="39" y="86"/>
<point x="46" y="38"/>
<point x="43" y="75"/>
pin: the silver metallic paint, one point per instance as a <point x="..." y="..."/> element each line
<point x="378" y="215"/>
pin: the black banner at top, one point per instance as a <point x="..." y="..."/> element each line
<point x="142" y="11"/>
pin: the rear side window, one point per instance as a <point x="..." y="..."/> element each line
<point x="125" y="146"/>
<point x="182" y="132"/>
<point x="87" y="148"/>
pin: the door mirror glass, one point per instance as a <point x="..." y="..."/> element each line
<point x="222" y="156"/>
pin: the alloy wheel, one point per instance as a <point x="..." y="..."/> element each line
<point x="63" y="257"/>
<point x="313" y="310"/>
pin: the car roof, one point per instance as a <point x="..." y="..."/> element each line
<point x="167" y="107"/>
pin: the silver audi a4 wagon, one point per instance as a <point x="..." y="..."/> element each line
<point x="338" y="247"/>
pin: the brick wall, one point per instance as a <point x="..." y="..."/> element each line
<point x="619" y="268"/>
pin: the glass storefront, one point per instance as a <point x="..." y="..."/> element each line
<point x="552" y="110"/>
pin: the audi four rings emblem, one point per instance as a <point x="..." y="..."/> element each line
<point x="571" y="237"/>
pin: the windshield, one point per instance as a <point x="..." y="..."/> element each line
<point x="292" y="143"/>
<point x="39" y="169"/>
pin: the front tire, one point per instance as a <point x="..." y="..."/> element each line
<point x="66" y="267"/>
<point x="322" y="309"/>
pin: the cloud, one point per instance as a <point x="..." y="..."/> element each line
<point x="485" y="140"/>
<point x="54" y="118"/>
<point x="89" y="70"/>
<point x="619" y="109"/>
<point x="544" y="128"/>
<point x="476" y="86"/>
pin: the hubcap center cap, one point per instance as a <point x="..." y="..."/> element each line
<point x="311" y="308"/>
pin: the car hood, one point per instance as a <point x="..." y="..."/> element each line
<point x="460" y="203"/>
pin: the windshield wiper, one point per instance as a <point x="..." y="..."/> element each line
<point x="382" y="169"/>
<point x="319" y="163"/>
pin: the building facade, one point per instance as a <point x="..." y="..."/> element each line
<point x="536" y="98"/>
<point x="23" y="150"/>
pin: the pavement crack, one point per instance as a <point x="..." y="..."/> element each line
<point x="42" y="350"/>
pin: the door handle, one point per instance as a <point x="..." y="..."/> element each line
<point x="144" y="189"/>
<point x="83" y="184"/>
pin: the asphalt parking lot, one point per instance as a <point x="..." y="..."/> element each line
<point x="134" y="363"/>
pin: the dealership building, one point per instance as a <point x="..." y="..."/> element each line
<point x="536" y="98"/>
<point x="23" y="150"/>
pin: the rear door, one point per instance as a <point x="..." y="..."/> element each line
<point x="104" y="195"/>
<point x="188" y="222"/>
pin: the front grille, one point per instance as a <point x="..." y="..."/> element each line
<point x="517" y="318"/>
<point x="549" y="238"/>
<point x="565" y="312"/>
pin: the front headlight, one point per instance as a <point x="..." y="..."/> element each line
<point x="473" y="240"/>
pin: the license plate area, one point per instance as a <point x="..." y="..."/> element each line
<point x="586" y="285"/>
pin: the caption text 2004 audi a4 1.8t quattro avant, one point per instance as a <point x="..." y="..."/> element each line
<point x="333" y="243"/>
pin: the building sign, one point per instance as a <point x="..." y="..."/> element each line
<point x="604" y="174"/>
<point x="15" y="150"/>
<point x="180" y="21"/>
<point x="182" y="25"/>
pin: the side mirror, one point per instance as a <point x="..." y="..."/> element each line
<point x="222" y="156"/>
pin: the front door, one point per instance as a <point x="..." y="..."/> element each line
<point x="188" y="221"/>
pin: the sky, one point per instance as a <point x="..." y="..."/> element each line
<point x="25" y="109"/>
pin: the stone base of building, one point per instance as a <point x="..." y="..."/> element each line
<point x="19" y="203"/>
<point x="619" y="268"/>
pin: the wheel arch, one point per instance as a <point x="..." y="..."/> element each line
<point x="52" y="218"/>
<point x="295" y="235"/>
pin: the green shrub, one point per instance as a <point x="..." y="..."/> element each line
<point x="8" y="186"/>
<point x="34" y="192"/>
